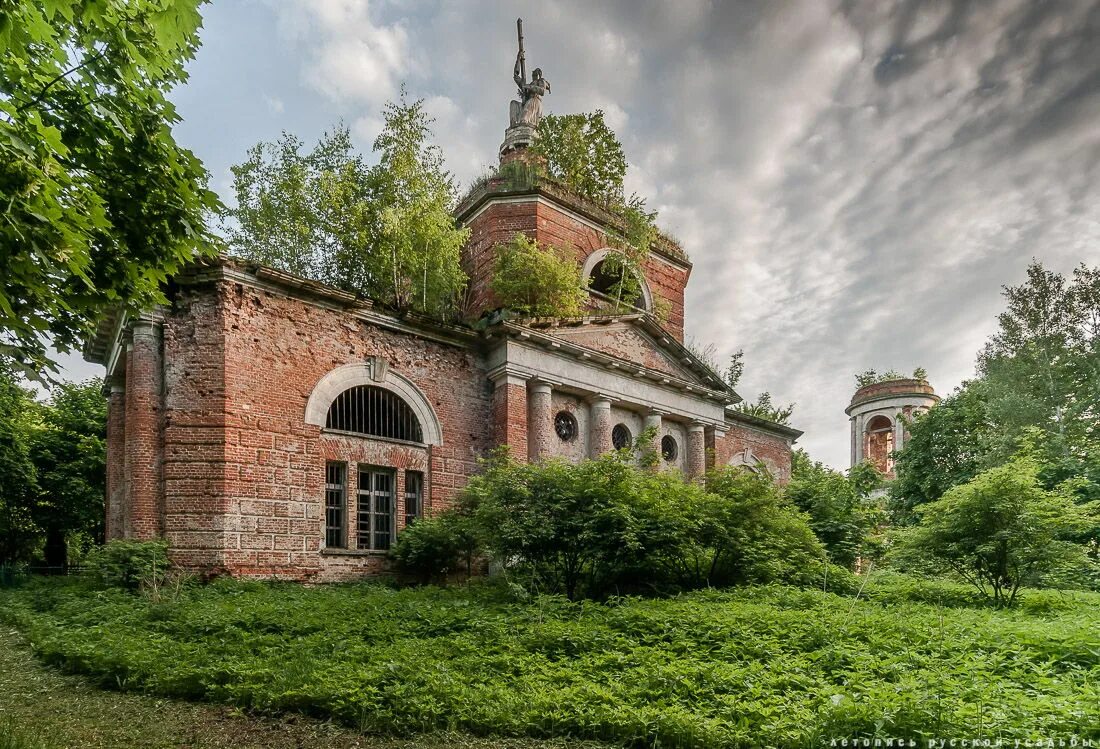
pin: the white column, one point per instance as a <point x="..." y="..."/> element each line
<point x="599" y="425"/>
<point x="653" y="421"/>
<point x="539" y="421"/>
<point x="696" y="459"/>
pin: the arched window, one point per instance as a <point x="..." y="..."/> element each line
<point x="606" y="275"/>
<point x="612" y="279"/>
<point x="374" y="412"/>
<point x="669" y="448"/>
<point x="879" y="443"/>
<point x="621" y="437"/>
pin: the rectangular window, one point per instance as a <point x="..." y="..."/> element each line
<point x="335" y="505"/>
<point x="414" y="495"/>
<point x="374" y="524"/>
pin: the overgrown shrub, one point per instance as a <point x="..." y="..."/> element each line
<point x="1000" y="531"/>
<point x="540" y="281"/>
<point x="129" y="564"/>
<point x="431" y="548"/>
<point x="606" y="527"/>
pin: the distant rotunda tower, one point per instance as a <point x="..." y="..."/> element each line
<point x="878" y="431"/>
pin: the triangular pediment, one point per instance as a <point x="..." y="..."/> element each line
<point x="632" y="340"/>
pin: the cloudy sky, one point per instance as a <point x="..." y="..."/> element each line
<point x="854" y="181"/>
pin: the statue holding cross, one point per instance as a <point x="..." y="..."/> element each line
<point x="528" y="110"/>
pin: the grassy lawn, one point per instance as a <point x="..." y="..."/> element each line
<point x="760" y="666"/>
<point x="41" y="708"/>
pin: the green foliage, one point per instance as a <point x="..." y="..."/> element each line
<point x="385" y="232"/>
<point x="19" y="533"/>
<point x="871" y="377"/>
<point x="1000" y="531"/>
<point x="536" y="281"/>
<point x="947" y="446"/>
<point x="763" y="408"/>
<point x="129" y="564"/>
<point x="584" y="153"/>
<point x="52" y="469"/>
<point x="605" y="527"/>
<point x="1037" y="389"/>
<point x="100" y="203"/>
<point x="70" y="457"/>
<point x="736" y="368"/>
<point x="431" y="548"/>
<point x="842" y="513"/>
<point x="762" y="666"/>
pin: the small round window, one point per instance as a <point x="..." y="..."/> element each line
<point x="621" y="437"/>
<point x="565" y="424"/>
<point x="669" y="448"/>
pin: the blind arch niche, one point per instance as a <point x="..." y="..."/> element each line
<point x="333" y="385"/>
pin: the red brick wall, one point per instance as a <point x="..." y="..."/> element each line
<point x="509" y="417"/>
<point x="197" y="521"/>
<point x="144" y="500"/>
<point x="551" y="226"/>
<point x="244" y="473"/>
<point x="772" y="449"/>
<point x="496" y="225"/>
<point x="277" y="351"/>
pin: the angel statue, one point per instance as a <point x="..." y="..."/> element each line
<point x="528" y="110"/>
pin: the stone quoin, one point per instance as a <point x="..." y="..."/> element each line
<point x="268" y="425"/>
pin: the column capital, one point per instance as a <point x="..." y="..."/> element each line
<point x="696" y="426"/>
<point x="599" y="400"/>
<point x="541" y="387"/>
<point x="508" y="375"/>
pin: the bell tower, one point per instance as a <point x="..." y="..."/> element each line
<point x="878" y="413"/>
<point x="520" y="197"/>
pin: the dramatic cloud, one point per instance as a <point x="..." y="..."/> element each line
<point x="853" y="181"/>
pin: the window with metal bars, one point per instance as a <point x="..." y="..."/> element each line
<point x="374" y="528"/>
<point x="414" y="495"/>
<point x="335" y="505"/>
<point x="374" y="412"/>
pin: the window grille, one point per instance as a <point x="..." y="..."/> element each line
<point x="374" y="412"/>
<point x="621" y="437"/>
<point x="335" y="506"/>
<point x="669" y="448"/>
<point x="374" y="528"/>
<point x="565" y="424"/>
<point x="414" y="495"/>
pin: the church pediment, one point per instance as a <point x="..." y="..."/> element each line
<point x="636" y="340"/>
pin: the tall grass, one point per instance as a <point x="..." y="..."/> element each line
<point x="757" y="666"/>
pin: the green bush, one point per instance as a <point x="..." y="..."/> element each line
<point x="605" y="527"/>
<point x="129" y="564"/>
<point x="431" y="548"/>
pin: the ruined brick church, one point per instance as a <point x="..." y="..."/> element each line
<point x="268" y="425"/>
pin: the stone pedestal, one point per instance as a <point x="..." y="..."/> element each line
<point x="517" y="139"/>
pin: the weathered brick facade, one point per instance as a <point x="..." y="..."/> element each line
<point x="221" y="436"/>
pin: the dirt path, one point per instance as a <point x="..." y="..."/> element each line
<point x="42" y="708"/>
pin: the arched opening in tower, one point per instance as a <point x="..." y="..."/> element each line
<point x="878" y="444"/>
